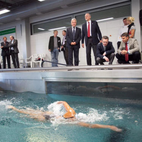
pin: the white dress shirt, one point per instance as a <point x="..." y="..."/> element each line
<point x="73" y="28"/>
<point x="124" y="29"/>
<point x="12" y="43"/>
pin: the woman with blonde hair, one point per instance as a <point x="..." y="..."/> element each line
<point x="131" y="27"/>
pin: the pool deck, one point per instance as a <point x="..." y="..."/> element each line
<point x="35" y="79"/>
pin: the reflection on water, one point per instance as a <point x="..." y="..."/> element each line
<point x="17" y="127"/>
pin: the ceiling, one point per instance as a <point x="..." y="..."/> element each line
<point x="21" y="9"/>
<point x="12" y="4"/>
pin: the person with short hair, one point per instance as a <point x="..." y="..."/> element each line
<point x="64" y="47"/>
<point x="105" y="51"/>
<point x="92" y="34"/>
<point x="5" y="53"/>
<point x="123" y="29"/>
<point x="13" y="44"/>
<point x="128" y="51"/>
<point x="54" y="48"/>
<point x="73" y="42"/>
<point x="131" y="27"/>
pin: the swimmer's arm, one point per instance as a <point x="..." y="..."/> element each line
<point x="18" y="110"/>
<point x="66" y="105"/>
<point x="32" y="115"/>
<point x="99" y="126"/>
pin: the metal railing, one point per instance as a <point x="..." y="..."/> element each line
<point x="77" y="68"/>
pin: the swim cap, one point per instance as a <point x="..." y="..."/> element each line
<point x="69" y="114"/>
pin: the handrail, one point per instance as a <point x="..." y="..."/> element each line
<point x="77" y="68"/>
<point x="51" y="63"/>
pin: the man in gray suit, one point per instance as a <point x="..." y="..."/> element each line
<point x="128" y="50"/>
<point x="13" y="44"/>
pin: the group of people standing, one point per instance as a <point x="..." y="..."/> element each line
<point x="10" y="49"/>
<point x="103" y="50"/>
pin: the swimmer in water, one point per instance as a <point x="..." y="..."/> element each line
<point x="70" y="114"/>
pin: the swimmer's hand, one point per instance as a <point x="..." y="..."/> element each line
<point x="115" y="129"/>
<point x="10" y="107"/>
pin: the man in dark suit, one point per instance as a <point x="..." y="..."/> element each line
<point x="73" y="42"/>
<point x="5" y="52"/>
<point x="92" y="34"/>
<point x="128" y="51"/>
<point x="105" y="51"/>
<point x="13" y="44"/>
<point x="64" y="47"/>
<point x="54" y="48"/>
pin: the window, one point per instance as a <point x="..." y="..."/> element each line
<point x="116" y="12"/>
<point x="101" y="13"/>
<point x="48" y="25"/>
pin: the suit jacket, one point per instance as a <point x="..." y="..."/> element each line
<point x="14" y="45"/>
<point x="95" y="33"/>
<point x="133" y="46"/>
<point x="5" y="49"/>
<point x="109" y="49"/>
<point x="51" y="43"/>
<point x="69" y="37"/>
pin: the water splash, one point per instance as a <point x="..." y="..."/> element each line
<point x="57" y="109"/>
<point x="4" y="104"/>
<point x="92" y="116"/>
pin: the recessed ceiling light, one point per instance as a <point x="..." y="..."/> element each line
<point x="60" y="28"/>
<point x="41" y="0"/>
<point x="41" y="29"/>
<point x="4" y="11"/>
<point x="106" y="19"/>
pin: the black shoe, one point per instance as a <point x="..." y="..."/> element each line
<point x="135" y="62"/>
<point x="119" y="62"/>
<point x="126" y="63"/>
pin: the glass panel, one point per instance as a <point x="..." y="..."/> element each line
<point x="117" y="12"/>
<point x="113" y="12"/>
<point x="47" y="25"/>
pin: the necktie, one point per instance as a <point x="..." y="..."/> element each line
<point x="126" y="55"/>
<point x="88" y="29"/>
<point x="73" y="33"/>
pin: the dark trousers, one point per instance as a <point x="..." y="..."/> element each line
<point x="74" y="49"/>
<point x="65" y="52"/>
<point x="4" y="61"/>
<point x="135" y="57"/>
<point x="88" y="51"/>
<point x="15" y="59"/>
<point x="110" y="57"/>
<point x="118" y="44"/>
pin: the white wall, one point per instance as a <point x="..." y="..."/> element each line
<point x="39" y="42"/>
<point x="21" y="36"/>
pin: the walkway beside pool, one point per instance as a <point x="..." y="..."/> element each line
<point x="40" y="80"/>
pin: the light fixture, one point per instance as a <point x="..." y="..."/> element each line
<point x="41" y="0"/>
<point x="41" y="29"/>
<point x="106" y="19"/>
<point x="4" y="11"/>
<point x="60" y="28"/>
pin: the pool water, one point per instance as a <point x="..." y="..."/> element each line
<point x="15" y="127"/>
